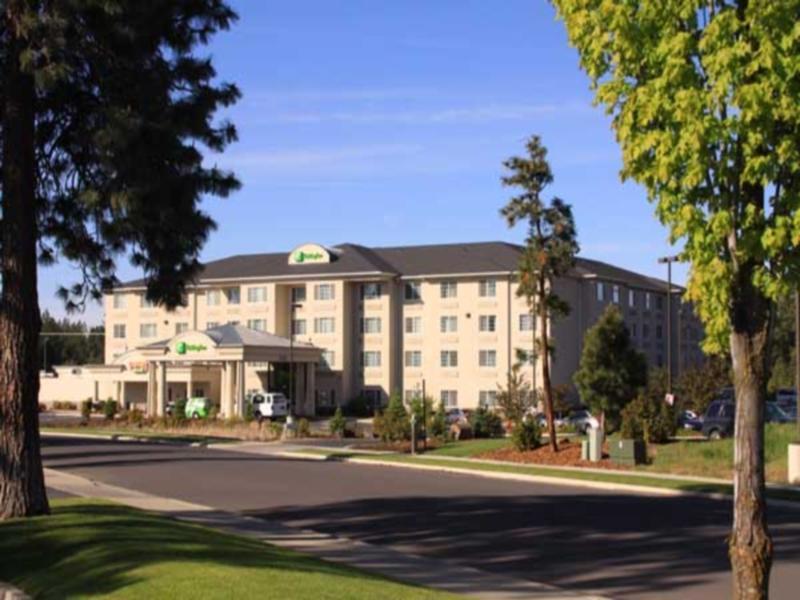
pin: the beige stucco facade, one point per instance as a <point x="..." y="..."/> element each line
<point x="383" y="332"/>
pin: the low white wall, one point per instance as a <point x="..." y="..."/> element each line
<point x="71" y="384"/>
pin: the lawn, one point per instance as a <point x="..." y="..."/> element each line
<point x="470" y="448"/>
<point x="99" y="550"/>
<point x="708" y="458"/>
<point x="155" y="436"/>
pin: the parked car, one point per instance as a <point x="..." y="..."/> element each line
<point x="718" y="420"/>
<point x="456" y="415"/>
<point x="688" y="419"/>
<point x="775" y="414"/>
<point x="198" y="407"/>
<point x="582" y="421"/>
<point x="786" y="398"/>
<point x="269" y="405"/>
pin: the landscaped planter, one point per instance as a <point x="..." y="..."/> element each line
<point x="627" y="452"/>
<point x="794" y="463"/>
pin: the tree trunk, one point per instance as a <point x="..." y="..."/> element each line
<point x="750" y="545"/>
<point x="546" y="385"/>
<point x="22" y="489"/>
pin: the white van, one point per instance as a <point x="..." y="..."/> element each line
<point x="268" y="405"/>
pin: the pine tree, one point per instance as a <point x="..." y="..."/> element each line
<point x="104" y="108"/>
<point x="550" y="249"/>
<point x="611" y="370"/>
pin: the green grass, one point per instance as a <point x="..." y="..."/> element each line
<point x="634" y="478"/>
<point x="187" y="438"/>
<point x="99" y="550"/>
<point x="470" y="448"/>
<point x="706" y="458"/>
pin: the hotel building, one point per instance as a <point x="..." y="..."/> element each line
<point x="382" y="320"/>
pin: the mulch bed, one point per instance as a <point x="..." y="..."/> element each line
<point x="568" y="455"/>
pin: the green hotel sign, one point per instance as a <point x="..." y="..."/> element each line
<point x="183" y="347"/>
<point x="301" y="257"/>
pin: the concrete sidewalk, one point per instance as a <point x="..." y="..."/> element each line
<point x="434" y="573"/>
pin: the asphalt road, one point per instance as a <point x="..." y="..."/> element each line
<point x="624" y="546"/>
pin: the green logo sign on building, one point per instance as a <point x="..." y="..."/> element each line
<point x="302" y="257"/>
<point x="183" y="347"/>
<point x="309" y="254"/>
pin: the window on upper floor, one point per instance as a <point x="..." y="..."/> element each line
<point x="145" y="303"/>
<point x="324" y="325"/>
<point x="298" y="327"/>
<point x="120" y="301"/>
<point x="487" y="288"/>
<point x="119" y="332"/>
<point x="324" y="291"/>
<point x="448" y="358"/>
<point x="257" y="324"/>
<point x="448" y="324"/>
<point x="371" y="359"/>
<point x="298" y="294"/>
<point x="257" y="294"/>
<point x="631" y="298"/>
<point x="448" y="289"/>
<point x="212" y="324"/>
<point x="233" y="295"/>
<point x="371" y="291"/>
<point x="659" y="302"/>
<point x="487" y="398"/>
<point x="413" y="324"/>
<point x="487" y="323"/>
<point x="181" y="327"/>
<point x="615" y="294"/>
<point x="659" y="332"/>
<point x="487" y="358"/>
<point x="449" y="398"/>
<point x="213" y="297"/>
<point x="413" y="358"/>
<point x="413" y="291"/>
<point x="526" y="322"/>
<point x="600" y="291"/>
<point x="148" y="330"/>
<point x="647" y="300"/>
<point x="371" y="325"/>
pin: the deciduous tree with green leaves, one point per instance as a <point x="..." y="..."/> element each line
<point x="550" y="249"/>
<point x="611" y="370"/>
<point x="705" y="101"/>
<point x="105" y="111"/>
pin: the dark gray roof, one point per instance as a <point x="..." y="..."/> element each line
<point x="408" y="261"/>
<point x="227" y="336"/>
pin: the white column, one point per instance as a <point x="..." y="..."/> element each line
<point x="240" y="388"/>
<point x="223" y="389"/>
<point x="151" y="388"/>
<point x="162" y="389"/>
<point x="312" y="386"/>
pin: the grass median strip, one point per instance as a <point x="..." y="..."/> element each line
<point x="94" y="549"/>
<point x="150" y="436"/>
<point x="634" y="479"/>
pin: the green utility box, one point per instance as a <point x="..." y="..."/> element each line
<point x="627" y="452"/>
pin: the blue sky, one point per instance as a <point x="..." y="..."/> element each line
<point x="386" y="123"/>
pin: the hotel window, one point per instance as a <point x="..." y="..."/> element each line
<point x="324" y="291"/>
<point x="448" y="358"/>
<point x="413" y="358"/>
<point x="448" y="324"/>
<point x="145" y="303"/>
<point x="370" y="291"/>
<point x="371" y="325"/>
<point x="371" y="358"/>
<point x="631" y="298"/>
<point x="487" y="288"/>
<point x="212" y="324"/>
<point x="120" y="301"/>
<point x="526" y="322"/>
<point x="181" y="327"/>
<point x="299" y="294"/>
<point x="257" y="294"/>
<point x="257" y="324"/>
<point x="633" y="329"/>
<point x="328" y="358"/>
<point x="448" y="289"/>
<point x="324" y="325"/>
<point x="298" y="327"/>
<point x="487" y="358"/>
<point x="213" y="297"/>
<point x="119" y="332"/>
<point x="524" y="357"/>
<point x="487" y="323"/>
<point x="413" y="324"/>
<point x="234" y="295"/>
<point x="449" y="398"/>
<point x="410" y="396"/>
<point x="615" y="294"/>
<point x="659" y="332"/>
<point x="600" y="291"/>
<point x="645" y="331"/>
<point x="148" y="330"/>
<point x="647" y="300"/>
<point x="487" y="398"/>
<point x="413" y="292"/>
<point x="659" y="302"/>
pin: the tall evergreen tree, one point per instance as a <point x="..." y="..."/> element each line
<point x="104" y="110"/>
<point x="705" y="101"/>
<point x="550" y="249"/>
<point x="611" y="370"/>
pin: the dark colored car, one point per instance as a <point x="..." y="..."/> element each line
<point x="688" y="419"/>
<point x="718" y="420"/>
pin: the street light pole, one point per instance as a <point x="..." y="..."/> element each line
<point x="668" y="260"/>
<point x="797" y="354"/>
<point x="292" y="306"/>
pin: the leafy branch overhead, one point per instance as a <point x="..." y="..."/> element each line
<point x="124" y="106"/>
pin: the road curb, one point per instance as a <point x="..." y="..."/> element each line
<point x="118" y="437"/>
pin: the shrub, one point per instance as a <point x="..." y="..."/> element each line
<point x="249" y="412"/>
<point x="86" y="408"/>
<point x="136" y="417"/>
<point x="110" y="409"/>
<point x="526" y="435"/>
<point x="648" y="418"/>
<point x="396" y="424"/>
<point x="423" y="411"/>
<point x="276" y="428"/>
<point x="338" y="423"/>
<point x="439" y="422"/>
<point x="486" y="423"/>
<point x="179" y="411"/>
<point x="303" y="428"/>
